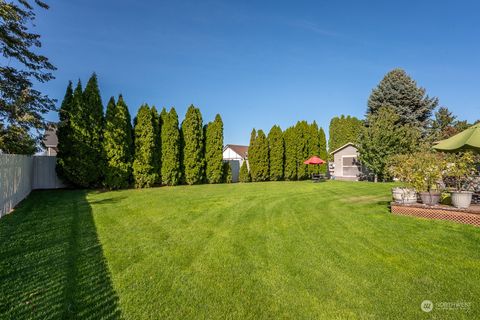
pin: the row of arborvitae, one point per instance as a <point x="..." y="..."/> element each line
<point x="98" y="150"/>
<point x="280" y="155"/>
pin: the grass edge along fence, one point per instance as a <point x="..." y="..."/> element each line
<point x="20" y="174"/>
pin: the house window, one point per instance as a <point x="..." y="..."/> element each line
<point x="349" y="166"/>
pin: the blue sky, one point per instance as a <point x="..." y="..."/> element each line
<point x="260" y="63"/>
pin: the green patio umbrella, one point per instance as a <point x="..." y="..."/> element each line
<point x="468" y="139"/>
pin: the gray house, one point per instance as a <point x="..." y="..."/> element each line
<point x="345" y="163"/>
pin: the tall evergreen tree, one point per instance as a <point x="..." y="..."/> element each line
<point x="214" y="150"/>
<point x="277" y="153"/>
<point x="227" y="173"/>
<point x="343" y="129"/>
<point x="144" y="174"/>
<point x="171" y="144"/>
<point x="118" y="144"/>
<point x="66" y="143"/>
<point x="323" y="150"/>
<point x="290" y="167"/>
<point x="193" y="146"/>
<point x="244" y="175"/>
<point x="260" y="158"/>
<point x="314" y="146"/>
<point x="251" y="152"/>
<point x="303" y="151"/>
<point x="157" y="123"/>
<point x="80" y="168"/>
<point x="93" y="122"/>
<point x="399" y="91"/>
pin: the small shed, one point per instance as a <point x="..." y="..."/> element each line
<point x="346" y="165"/>
<point x="235" y="155"/>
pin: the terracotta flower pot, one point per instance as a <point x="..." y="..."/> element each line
<point x="461" y="199"/>
<point x="430" y="198"/>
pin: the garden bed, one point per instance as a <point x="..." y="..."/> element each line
<point x="440" y="212"/>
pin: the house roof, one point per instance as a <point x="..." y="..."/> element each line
<point x="343" y="147"/>
<point x="240" y="150"/>
<point x="50" y="137"/>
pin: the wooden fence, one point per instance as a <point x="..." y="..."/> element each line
<point x="20" y="174"/>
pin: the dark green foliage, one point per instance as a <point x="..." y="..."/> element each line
<point x="171" y="144"/>
<point x="66" y="144"/>
<point x="323" y="150"/>
<point x="313" y="147"/>
<point x="118" y="144"/>
<point x="383" y="137"/>
<point x="446" y="125"/>
<point x="214" y="150"/>
<point x="259" y="159"/>
<point x="399" y="91"/>
<point x="22" y="106"/>
<point x="302" y="130"/>
<point x="290" y="167"/>
<point x="144" y="174"/>
<point x="277" y="153"/>
<point x="193" y="147"/>
<point x="343" y="129"/>
<point x="226" y="173"/>
<point x="157" y="126"/>
<point x="82" y="160"/>
<point x="93" y="114"/>
<point x="244" y="175"/>
<point x="16" y="140"/>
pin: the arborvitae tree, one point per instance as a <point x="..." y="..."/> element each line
<point x="251" y="152"/>
<point x="144" y="174"/>
<point x="118" y="144"/>
<point x="303" y="152"/>
<point x="323" y="150"/>
<point x="76" y="168"/>
<point x="171" y="144"/>
<point x="260" y="158"/>
<point x="214" y="150"/>
<point x="277" y="153"/>
<point x="226" y="173"/>
<point x="93" y="122"/>
<point x="157" y="121"/>
<point x="313" y="147"/>
<point x="244" y="175"/>
<point x="383" y="137"/>
<point x="193" y="146"/>
<point x="399" y="91"/>
<point x="66" y="143"/>
<point x="290" y="167"/>
<point x="343" y="129"/>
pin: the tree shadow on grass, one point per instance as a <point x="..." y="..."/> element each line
<point x="51" y="261"/>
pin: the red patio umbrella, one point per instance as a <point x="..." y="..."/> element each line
<point x="314" y="160"/>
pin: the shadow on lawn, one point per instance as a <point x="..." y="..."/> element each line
<point x="51" y="261"/>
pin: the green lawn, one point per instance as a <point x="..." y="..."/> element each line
<point x="286" y="250"/>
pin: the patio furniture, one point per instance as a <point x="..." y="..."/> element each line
<point x="318" y="177"/>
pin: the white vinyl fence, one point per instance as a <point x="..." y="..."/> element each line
<point x="21" y="174"/>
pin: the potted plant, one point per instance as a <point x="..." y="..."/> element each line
<point x="428" y="169"/>
<point x="460" y="168"/>
<point x="400" y="169"/>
